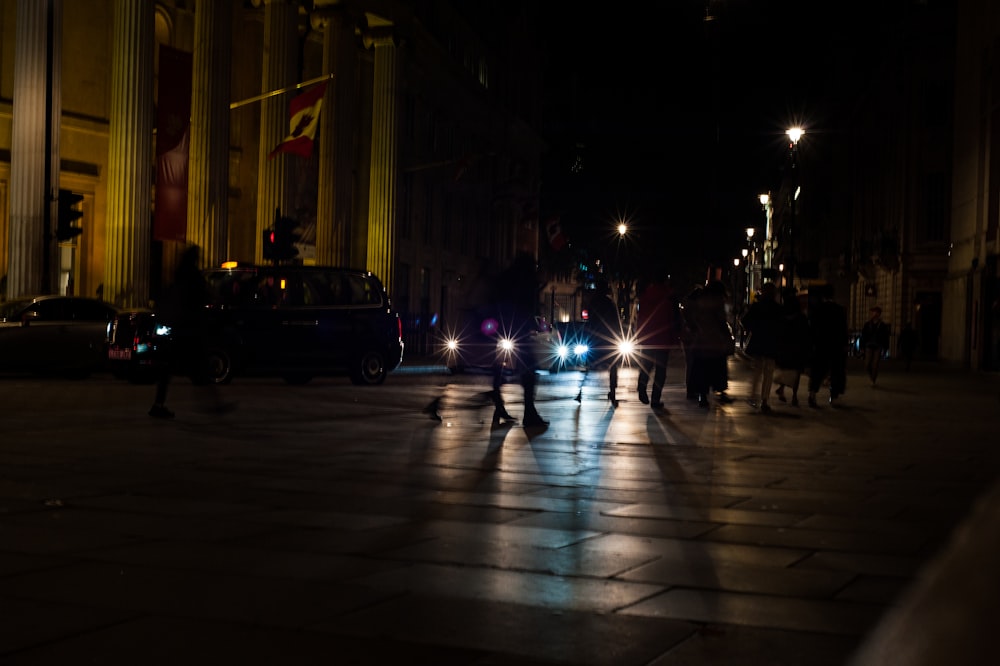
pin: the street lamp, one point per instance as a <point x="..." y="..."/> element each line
<point x="765" y="201"/>
<point x="794" y="134"/>
<point x="752" y="274"/>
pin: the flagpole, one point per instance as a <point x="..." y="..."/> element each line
<point x="280" y="91"/>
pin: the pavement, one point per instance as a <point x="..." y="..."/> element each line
<point x="332" y="524"/>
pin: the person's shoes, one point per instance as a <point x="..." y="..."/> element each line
<point x="703" y="401"/>
<point x="723" y="398"/>
<point x="579" y="396"/>
<point x="657" y="404"/>
<point x="795" y="401"/>
<point x="780" y="392"/>
<point x="765" y="408"/>
<point x="160" y="412"/>
<point x="812" y="400"/>
<point x="753" y="403"/>
<point x="500" y="414"/>
<point x="612" y="398"/>
<point x="432" y="409"/>
<point x="643" y="396"/>
<point x="534" y="420"/>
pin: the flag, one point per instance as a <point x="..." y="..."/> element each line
<point x="304" y="113"/>
<point x="553" y="228"/>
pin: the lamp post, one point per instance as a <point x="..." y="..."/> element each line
<point x="751" y="261"/>
<point x="765" y="202"/>
<point x="745" y="253"/>
<point x="794" y="134"/>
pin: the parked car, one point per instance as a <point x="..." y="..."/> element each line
<point x="483" y="344"/>
<point x="295" y="322"/>
<point x="54" y="334"/>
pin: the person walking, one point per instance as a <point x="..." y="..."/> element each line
<point x="657" y="332"/>
<point x="875" y="341"/>
<point x="711" y="340"/>
<point x="907" y="344"/>
<point x="762" y="322"/>
<point x="516" y="299"/>
<point x="605" y="327"/>
<point x="793" y="346"/>
<point x="828" y="334"/>
<point x="183" y="310"/>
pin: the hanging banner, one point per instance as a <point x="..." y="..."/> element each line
<point x="173" y="129"/>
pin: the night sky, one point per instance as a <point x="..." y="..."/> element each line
<point x="680" y="121"/>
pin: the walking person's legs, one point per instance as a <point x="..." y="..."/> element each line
<point x="766" y="377"/>
<point x="531" y="416"/>
<point x="643" y="382"/>
<point x="613" y="383"/>
<point x="660" y="358"/>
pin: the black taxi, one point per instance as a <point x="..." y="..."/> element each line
<point x="295" y="322"/>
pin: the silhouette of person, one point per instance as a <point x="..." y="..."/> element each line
<point x="874" y="340"/>
<point x="711" y="340"/>
<point x="657" y="324"/>
<point x="828" y="333"/>
<point x="763" y="325"/>
<point x="516" y="299"/>
<point x="793" y="346"/>
<point x="183" y="309"/>
<point x="605" y="328"/>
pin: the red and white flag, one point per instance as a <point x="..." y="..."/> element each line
<point x="553" y="229"/>
<point x="304" y="112"/>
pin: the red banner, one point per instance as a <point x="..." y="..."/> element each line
<point x="173" y="128"/>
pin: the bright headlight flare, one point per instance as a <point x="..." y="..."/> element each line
<point x="506" y="344"/>
<point x="562" y="351"/>
<point x="581" y="349"/>
<point x="162" y="330"/>
<point x="451" y="344"/>
<point x="626" y="348"/>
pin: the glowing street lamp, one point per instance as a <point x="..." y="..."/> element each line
<point x="765" y="201"/>
<point x="794" y="134"/>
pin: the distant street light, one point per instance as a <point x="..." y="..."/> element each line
<point x="794" y="134"/>
<point x="765" y="201"/>
<point x="622" y="228"/>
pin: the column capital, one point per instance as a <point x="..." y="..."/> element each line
<point x="382" y="35"/>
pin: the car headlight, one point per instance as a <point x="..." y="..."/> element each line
<point x="626" y="348"/>
<point x="580" y="350"/>
<point x="162" y="330"/>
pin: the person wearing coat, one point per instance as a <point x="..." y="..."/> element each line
<point x="763" y="324"/>
<point x="710" y="340"/>
<point x="794" y="346"/>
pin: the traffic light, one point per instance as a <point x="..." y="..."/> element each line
<point x="278" y="243"/>
<point x="267" y="243"/>
<point x="285" y="238"/>
<point x="68" y="214"/>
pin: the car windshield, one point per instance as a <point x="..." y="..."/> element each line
<point x="12" y="308"/>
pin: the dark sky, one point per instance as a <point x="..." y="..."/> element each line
<point x="680" y="121"/>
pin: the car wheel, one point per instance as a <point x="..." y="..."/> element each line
<point x="297" y="379"/>
<point x="369" y="369"/>
<point x="219" y="367"/>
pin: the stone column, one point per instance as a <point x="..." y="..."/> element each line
<point x="384" y="157"/>
<point x="338" y="120"/>
<point x="33" y="253"/>
<point x="273" y="183"/>
<point x="130" y="156"/>
<point x="208" y="169"/>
